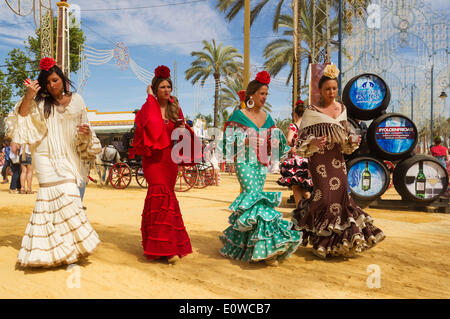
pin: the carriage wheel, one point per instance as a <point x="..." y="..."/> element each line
<point x="186" y="178"/>
<point x="205" y="175"/>
<point x="140" y="178"/>
<point x="120" y="175"/>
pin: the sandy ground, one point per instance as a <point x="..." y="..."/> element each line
<point x="413" y="260"/>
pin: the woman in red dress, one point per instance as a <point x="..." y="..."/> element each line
<point x="163" y="231"/>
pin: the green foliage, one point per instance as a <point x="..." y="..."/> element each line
<point x="18" y="69"/>
<point x="278" y="53"/>
<point x="214" y="61"/>
<point x="233" y="7"/>
<point x="6" y="103"/>
<point x="283" y="125"/>
<point x="21" y="65"/>
<point x="208" y="119"/>
<point x="76" y="40"/>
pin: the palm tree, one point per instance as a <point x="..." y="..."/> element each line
<point x="213" y="61"/>
<point x="278" y="53"/>
<point x="232" y="8"/>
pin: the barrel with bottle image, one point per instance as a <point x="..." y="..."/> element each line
<point x="366" y="96"/>
<point x="368" y="178"/>
<point x="392" y="136"/>
<point x="420" y="178"/>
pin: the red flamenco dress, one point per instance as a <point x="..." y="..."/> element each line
<point x="163" y="231"/>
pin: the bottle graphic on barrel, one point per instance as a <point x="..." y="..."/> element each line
<point x="366" y="178"/>
<point x="420" y="182"/>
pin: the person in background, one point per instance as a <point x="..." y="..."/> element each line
<point x="26" y="176"/>
<point x="294" y="170"/>
<point x="2" y="160"/>
<point x="14" y="187"/>
<point x="6" y="150"/>
<point x="211" y="154"/>
<point x="439" y="151"/>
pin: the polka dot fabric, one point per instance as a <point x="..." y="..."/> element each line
<point x="257" y="231"/>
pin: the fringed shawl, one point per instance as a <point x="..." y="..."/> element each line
<point x="318" y="124"/>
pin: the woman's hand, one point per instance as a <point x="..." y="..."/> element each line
<point x="319" y="141"/>
<point x="84" y="129"/>
<point x="149" y="90"/>
<point x="355" y="139"/>
<point x="32" y="88"/>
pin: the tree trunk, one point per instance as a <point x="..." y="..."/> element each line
<point x="216" y="99"/>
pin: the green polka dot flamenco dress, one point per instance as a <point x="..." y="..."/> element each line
<point x="257" y="231"/>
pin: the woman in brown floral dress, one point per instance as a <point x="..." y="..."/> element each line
<point x="330" y="220"/>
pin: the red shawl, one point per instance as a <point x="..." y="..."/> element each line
<point x="150" y="133"/>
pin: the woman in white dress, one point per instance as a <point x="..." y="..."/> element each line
<point x="54" y="122"/>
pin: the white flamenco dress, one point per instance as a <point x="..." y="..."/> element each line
<point x="58" y="231"/>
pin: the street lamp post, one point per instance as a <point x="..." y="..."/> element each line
<point x="412" y="102"/>
<point x="340" y="50"/>
<point x="246" y="43"/>
<point x="443" y="96"/>
<point x="431" y="108"/>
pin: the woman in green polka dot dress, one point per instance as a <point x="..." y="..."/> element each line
<point x="257" y="232"/>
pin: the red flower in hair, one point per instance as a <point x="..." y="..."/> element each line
<point x="162" y="71"/>
<point x="241" y="94"/>
<point x="46" y="64"/>
<point x="299" y="102"/>
<point x="263" y="77"/>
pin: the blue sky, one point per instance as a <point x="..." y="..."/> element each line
<point x="155" y="36"/>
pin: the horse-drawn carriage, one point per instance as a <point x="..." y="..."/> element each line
<point x="118" y="168"/>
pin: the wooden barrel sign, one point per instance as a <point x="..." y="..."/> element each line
<point x="420" y="178"/>
<point x="368" y="178"/>
<point x="366" y="96"/>
<point x="392" y="136"/>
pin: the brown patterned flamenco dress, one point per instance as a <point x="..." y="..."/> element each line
<point x="330" y="220"/>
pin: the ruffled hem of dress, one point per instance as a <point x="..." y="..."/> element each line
<point x="58" y="231"/>
<point x="250" y="247"/>
<point x="334" y="239"/>
<point x="295" y="180"/>
<point x="357" y="243"/>
<point x="247" y="200"/>
<point x="162" y="228"/>
<point x="257" y="231"/>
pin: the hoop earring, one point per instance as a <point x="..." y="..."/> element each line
<point x="250" y="103"/>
